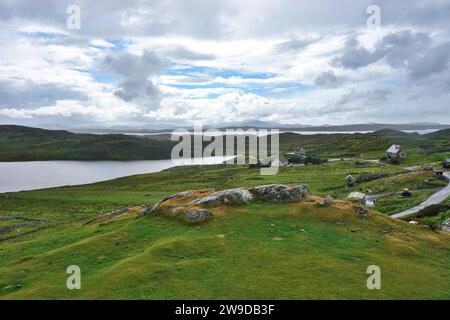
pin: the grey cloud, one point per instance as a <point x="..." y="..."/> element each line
<point x="400" y="47"/>
<point x="221" y="19"/>
<point x="135" y="72"/>
<point x="328" y="79"/>
<point x="403" y="49"/>
<point x="184" y="53"/>
<point x="15" y="94"/>
<point x="127" y="18"/>
<point x="365" y="97"/>
<point x="354" y="56"/>
<point x="294" y="44"/>
<point x="436" y="60"/>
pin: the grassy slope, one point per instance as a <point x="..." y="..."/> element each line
<point x="156" y="257"/>
<point x="77" y="203"/>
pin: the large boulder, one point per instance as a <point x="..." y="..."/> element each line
<point x="229" y="197"/>
<point x="281" y="192"/>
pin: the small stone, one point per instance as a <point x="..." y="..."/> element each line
<point x="277" y="239"/>
<point x="221" y="236"/>
<point x="18" y="286"/>
<point x="446" y="225"/>
<point x="325" y="202"/>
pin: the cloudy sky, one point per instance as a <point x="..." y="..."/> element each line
<point x="160" y="62"/>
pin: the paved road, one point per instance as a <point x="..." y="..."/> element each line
<point x="437" y="197"/>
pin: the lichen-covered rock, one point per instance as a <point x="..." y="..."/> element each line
<point x="228" y="197"/>
<point x="446" y="225"/>
<point x="176" y="195"/>
<point x="197" y="215"/>
<point x="281" y="192"/>
<point x="149" y="210"/>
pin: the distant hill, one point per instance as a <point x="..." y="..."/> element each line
<point x="374" y="127"/>
<point x="272" y="125"/>
<point x="18" y="143"/>
<point x="349" y="127"/>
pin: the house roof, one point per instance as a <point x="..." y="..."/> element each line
<point x="394" y="148"/>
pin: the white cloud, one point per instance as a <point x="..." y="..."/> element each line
<point x="285" y="61"/>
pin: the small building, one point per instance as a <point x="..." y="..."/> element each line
<point x="371" y="201"/>
<point x="357" y="197"/>
<point x="406" y="193"/>
<point x="349" y="180"/>
<point x="446" y="163"/>
<point x="395" y="152"/>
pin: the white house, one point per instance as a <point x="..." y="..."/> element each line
<point x="395" y="152"/>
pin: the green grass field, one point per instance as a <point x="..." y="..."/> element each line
<point x="257" y="251"/>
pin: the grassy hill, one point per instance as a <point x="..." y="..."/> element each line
<point x="257" y="251"/>
<point x="19" y="143"/>
<point x="429" y="147"/>
<point x="25" y="144"/>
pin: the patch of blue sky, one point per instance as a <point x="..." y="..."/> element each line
<point x="282" y="90"/>
<point x="224" y="73"/>
<point x="119" y="44"/>
<point x="101" y="77"/>
<point x="267" y="91"/>
<point x="104" y="77"/>
<point x="206" y="96"/>
<point x="43" y="35"/>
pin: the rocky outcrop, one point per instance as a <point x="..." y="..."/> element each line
<point x="190" y="205"/>
<point x="228" y="197"/>
<point x="281" y="192"/>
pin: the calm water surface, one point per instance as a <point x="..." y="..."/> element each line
<point x="29" y="175"/>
